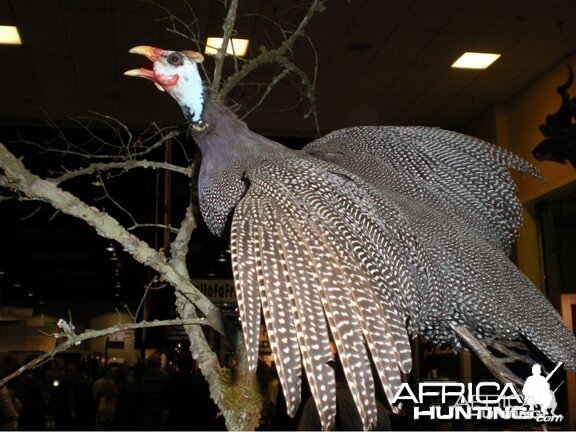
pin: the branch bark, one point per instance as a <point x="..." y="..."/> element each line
<point x="227" y="27"/>
<point x="125" y="166"/>
<point x="19" y="179"/>
<point x="239" y="400"/>
<point x="73" y="339"/>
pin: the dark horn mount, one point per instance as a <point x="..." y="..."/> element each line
<point x="559" y="132"/>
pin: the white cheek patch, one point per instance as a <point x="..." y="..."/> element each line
<point x="192" y="90"/>
<point x="188" y="90"/>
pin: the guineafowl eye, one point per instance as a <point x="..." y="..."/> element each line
<point x="175" y="60"/>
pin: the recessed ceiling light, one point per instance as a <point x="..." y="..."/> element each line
<point x="237" y="47"/>
<point x="474" y="60"/>
<point x="9" y="35"/>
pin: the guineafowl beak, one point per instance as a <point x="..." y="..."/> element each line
<point x="153" y="54"/>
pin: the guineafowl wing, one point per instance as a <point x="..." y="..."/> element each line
<point x="465" y="178"/>
<point x="313" y="248"/>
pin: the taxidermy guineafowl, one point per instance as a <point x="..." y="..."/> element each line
<point x="367" y="236"/>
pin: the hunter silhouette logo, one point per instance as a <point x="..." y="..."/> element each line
<point x="537" y="390"/>
<point x="487" y="400"/>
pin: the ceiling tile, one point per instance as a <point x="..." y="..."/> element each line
<point x="339" y="12"/>
<point x="41" y="26"/>
<point x="524" y="53"/>
<point x="343" y="79"/>
<point x="427" y="15"/>
<point x="89" y="28"/>
<point x="474" y="16"/>
<point x="359" y="44"/>
<point x="512" y="86"/>
<point x="452" y="81"/>
<point x="360" y="108"/>
<point x="132" y="29"/>
<point x="14" y="61"/>
<point x="21" y="89"/>
<point x="421" y="109"/>
<point x="94" y="91"/>
<point x="414" y="80"/>
<point x="58" y="90"/>
<point x="553" y="56"/>
<point x="402" y="47"/>
<point x="142" y="115"/>
<point x="488" y="82"/>
<point x="326" y="100"/>
<point x="95" y="63"/>
<point x="376" y="78"/>
<point x="36" y="3"/>
<point x="492" y="43"/>
<point x="457" y="110"/>
<point x="86" y="4"/>
<point x="6" y="15"/>
<point x="515" y="19"/>
<point x="325" y="39"/>
<point x="381" y="14"/>
<point x="390" y="105"/>
<point x="444" y="49"/>
<point x="51" y="61"/>
<point x="178" y="7"/>
<point x="558" y="20"/>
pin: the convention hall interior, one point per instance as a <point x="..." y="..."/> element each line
<point x="68" y="113"/>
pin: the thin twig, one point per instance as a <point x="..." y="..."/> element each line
<point x="124" y="166"/>
<point x="227" y="28"/>
<point x="91" y="334"/>
<point x="272" y="55"/>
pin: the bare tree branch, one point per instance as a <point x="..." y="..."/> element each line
<point x="124" y="166"/>
<point x="18" y="178"/>
<point x="74" y="339"/>
<point x="153" y="225"/>
<point x="227" y="28"/>
<point x="271" y="56"/>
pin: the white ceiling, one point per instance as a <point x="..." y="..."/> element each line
<point x="75" y="52"/>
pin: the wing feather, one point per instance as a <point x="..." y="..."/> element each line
<point x="246" y="281"/>
<point x="345" y="327"/>
<point x="276" y="304"/>
<point x="312" y="329"/>
<point x="462" y="177"/>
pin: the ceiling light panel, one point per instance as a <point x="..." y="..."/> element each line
<point x="237" y="47"/>
<point x="9" y="35"/>
<point x="474" y="60"/>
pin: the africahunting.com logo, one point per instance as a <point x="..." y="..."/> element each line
<point x="487" y="400"/>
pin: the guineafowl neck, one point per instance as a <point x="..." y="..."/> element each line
<point x="226" y="137"/>
<point x="229" y="149"/>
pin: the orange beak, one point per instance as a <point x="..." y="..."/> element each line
<point x="152" y="54"/>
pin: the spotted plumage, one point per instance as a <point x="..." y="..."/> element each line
<point x="367" y="237"/>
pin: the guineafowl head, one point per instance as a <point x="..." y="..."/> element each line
<point x="229" y="149"/>
<point x="176" y="73"/>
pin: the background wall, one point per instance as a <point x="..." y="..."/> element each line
<point x="513" y="124"/>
